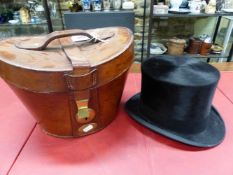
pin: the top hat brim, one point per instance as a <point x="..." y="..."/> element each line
<point x="212" y="135"/>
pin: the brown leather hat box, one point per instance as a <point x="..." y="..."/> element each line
<point x="71" y="81"/>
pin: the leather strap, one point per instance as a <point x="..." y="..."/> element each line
<point x="81" y="83"/>
<point x="83" y="76"/>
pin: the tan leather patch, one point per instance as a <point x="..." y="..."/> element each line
<point x="49" y="66"/>
<point x="7" y="55"/>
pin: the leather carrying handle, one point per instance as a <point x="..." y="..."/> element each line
<point x="31" y="44"/>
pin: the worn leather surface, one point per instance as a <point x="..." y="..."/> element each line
<point x="95" y="72"/>
<point x="18" y="66"/>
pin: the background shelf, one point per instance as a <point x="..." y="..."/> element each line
<point x="163" y="27"/>
<point x="200" y="56"/>
<point x="191" y="15"/>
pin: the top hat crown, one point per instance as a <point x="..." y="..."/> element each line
<point x="176" y="100"/>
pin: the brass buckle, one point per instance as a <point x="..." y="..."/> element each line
<point x="84" y="114"/>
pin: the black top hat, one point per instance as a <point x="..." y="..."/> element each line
<point x="176" y="100"/>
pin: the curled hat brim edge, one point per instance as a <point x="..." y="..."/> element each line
<point x="210" y="137"/>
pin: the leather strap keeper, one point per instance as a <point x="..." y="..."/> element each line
<point x="81" y="82"/>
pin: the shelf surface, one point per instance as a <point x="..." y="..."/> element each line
<point x="42" y="22"/>
<point x="200" y="56"/>
<point x="192" y="15"/>
<point x="206" y="56"/>
<point x="20" y="24"/>
<point x="100" y="12"/>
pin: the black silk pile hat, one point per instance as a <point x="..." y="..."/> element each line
<point x="176" y="100"/>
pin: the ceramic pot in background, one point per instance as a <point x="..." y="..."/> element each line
<point x="175" y="4"/>
<point x="176" y="46"/>
<point x="228" y="4"/>
<point x="211" y="7"/>
<point x="116" y="4"/>
<point x="195" y="6"/>
<point x="96" y="5"/>
<point x="206" y="46"/>
<point x="24" y="15"/>
<point x="184" y="4"/>
<point x="194" y="45"/>
<point x="86" y="5"/>
<point x="106" y="5"/>
<point x="219" y="5"/>
<point x="128" y="5"/>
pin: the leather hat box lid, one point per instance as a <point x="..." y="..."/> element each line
<point x="60" y="52"/>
